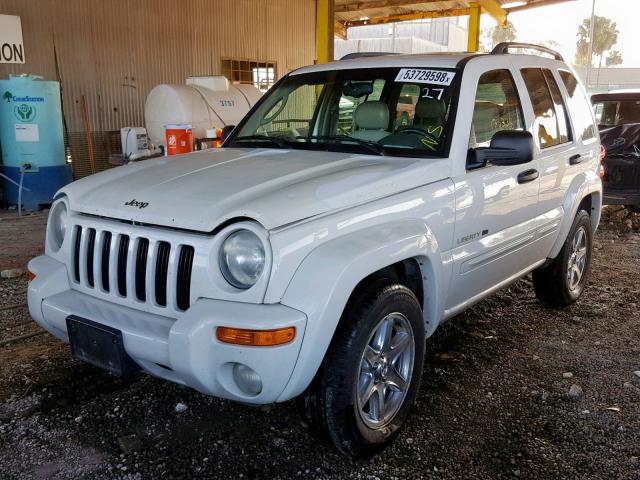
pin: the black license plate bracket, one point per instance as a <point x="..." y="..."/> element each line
<point x="99" y="345"/>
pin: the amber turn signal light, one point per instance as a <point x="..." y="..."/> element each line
<point x="30" y="276"/>
<point x="255" y="338"/>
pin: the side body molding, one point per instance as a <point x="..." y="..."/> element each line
<point x="333" y="270"/>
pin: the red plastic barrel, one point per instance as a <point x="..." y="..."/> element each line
<point x="179" y="139"/>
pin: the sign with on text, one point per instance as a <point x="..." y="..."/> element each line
<point x="11" y="44"/>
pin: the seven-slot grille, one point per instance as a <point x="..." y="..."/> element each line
<point x="135" y="267"/>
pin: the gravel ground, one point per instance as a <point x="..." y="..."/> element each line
<point x="498" y="398"/>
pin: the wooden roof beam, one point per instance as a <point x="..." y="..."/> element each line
<point x="371" y="4"/>
<point x="541" y="3"/>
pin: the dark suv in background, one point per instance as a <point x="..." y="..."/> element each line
<point x="618" y="117"/>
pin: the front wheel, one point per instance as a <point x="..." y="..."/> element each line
<point x="561" y="283"/>
<point x="370" y="376"/>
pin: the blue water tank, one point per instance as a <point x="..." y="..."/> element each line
<point x="32" y="140"/>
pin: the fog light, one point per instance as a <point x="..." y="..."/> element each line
<point x="247" y="379"/>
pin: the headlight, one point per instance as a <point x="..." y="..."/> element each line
<point x="57" y="225"/>
<point x="242" y="259"/>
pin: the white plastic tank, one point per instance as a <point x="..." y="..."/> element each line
<point x="205" y="103"/>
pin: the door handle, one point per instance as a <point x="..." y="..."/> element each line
<point x="576" y="159"/>
<point x="528" y="176"/>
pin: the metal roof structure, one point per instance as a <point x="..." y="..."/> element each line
<point x="352" y="13"/>
<point x="336" y="16"/>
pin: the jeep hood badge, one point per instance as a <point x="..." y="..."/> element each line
<point x="136" y="203"/>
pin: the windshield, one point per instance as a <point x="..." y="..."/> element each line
<point x="381" y="111"/>
<point x="617" y="112"/>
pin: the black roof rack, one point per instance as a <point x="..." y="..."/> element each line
<point x="504" y="47"/>
<point x="350" y="56"/>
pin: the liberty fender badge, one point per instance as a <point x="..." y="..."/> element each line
<point x="472" y="236"/>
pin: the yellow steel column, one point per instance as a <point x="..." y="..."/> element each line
<point x="473" y="44"/>
<point x="324" y="30"/>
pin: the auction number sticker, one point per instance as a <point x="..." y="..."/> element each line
<point x="421" y="75"/>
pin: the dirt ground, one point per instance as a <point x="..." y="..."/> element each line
<point x="493" y="404"/>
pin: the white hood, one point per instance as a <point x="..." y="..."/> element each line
<point x="200" y="190"/>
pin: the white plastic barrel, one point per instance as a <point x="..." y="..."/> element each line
<point x="205" y="103"/>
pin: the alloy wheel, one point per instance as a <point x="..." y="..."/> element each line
<point x="385" y="371"/>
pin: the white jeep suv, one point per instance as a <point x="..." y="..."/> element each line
<point x="314" y="253"/>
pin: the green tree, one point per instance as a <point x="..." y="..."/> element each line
<point x="495" y="35"/>
<point x="613" y="58"/>
<point x="7" y="96"/>
<point x="605" y="36"/>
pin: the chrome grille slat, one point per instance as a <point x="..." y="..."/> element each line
<point x="113" y="264"/>
<point x="171" y="276"/>
<point x="131" y="267"/>
<point x="97" y="260"/>
<point x="150" y="271"/>
<point x="84" y="241"/>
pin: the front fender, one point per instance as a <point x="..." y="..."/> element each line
<point x="326" y="278"/>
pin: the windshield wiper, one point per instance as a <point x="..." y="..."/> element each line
<point x="278" y="141"/>
<point x="372" y="146"/>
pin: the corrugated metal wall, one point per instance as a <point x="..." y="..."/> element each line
<point x="114" y="51"/>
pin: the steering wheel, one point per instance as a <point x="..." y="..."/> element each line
<point x="290" y="132"/>
<point x="427" y="139"/>
<point x="414" y="130"/>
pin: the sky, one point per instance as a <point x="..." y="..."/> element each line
<point x="560" y="23"/>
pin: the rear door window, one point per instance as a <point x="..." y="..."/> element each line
<point x="550" y="120"/>
<point x="579" y="107"/>
<point x="564" y="125"/>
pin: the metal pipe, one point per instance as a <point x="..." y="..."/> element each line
<point x="20" y="192"/>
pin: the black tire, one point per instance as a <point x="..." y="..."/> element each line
<point x="551" y="283"/>
<point x="330" y="402"/>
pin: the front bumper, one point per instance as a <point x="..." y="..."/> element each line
<point x="184" y="349"/>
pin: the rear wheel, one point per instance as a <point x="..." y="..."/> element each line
<point x="370" y="376"/>
<point x="561" y="283"/>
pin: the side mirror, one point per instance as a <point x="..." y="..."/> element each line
<point x="226" y="131"/>
<point x="508" y="147"/>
